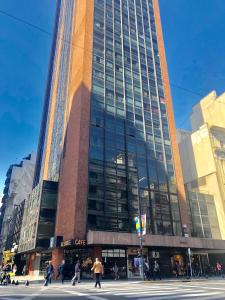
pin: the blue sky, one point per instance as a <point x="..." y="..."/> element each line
<point x="193" y="33"/>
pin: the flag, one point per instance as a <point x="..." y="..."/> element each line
<point x="138" y="225"/>
<point x="143" y="223"/>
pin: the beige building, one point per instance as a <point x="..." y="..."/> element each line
<point x="203" y="152"/>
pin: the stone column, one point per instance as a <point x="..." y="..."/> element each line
<point x="57" y="257"/>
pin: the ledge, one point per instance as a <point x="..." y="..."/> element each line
<point x="131" y="239"/>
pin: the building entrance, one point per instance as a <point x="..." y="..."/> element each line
<point x="134" y="262"/>
<point x="84" y="255"/>
<point x="114" y="260"/>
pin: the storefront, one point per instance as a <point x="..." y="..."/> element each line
<point x="134" y="261"/>
<point x="114" y="259"/>
<point x="77" y="250"/>
<point x="84" y="256"/>
<point x="44" y="259"/>
<point x="127" y="260"/>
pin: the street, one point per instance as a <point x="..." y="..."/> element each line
<point x="201" y="290"/>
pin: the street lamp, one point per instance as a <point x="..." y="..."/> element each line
<point x="141" y="230"/>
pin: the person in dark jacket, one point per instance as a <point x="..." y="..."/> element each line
<point x="48" y="273"/>
<point x="61" y="270"/>
<point x="156" y="270"/>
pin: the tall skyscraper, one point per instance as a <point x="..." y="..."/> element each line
<point x="108" y="136"/>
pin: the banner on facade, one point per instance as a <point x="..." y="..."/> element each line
<point x="138" y="225"/>
<point x="143" y="222"/>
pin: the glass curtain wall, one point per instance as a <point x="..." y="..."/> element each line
<point x="130" y="155"/>
<point x="203" y="215"/>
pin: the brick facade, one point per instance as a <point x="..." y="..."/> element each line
<point x="72" y="195"/>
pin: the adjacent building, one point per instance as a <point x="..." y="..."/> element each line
<point x="203" y="152"/>
<point x="108" y="144"/>
<point x="203" y="215"/>
<point x="18" y="185"/>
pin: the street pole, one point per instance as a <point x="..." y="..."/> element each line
<point x="189" y="255"/>
<point x="141" y="253"/>
<point x="141" y="235"/>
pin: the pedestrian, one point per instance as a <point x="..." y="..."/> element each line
<point x="7" y="267"/>
<point x="14" y="269"/>
<point x="76" y="273"/>
<point x="222" y="270"/>
<point x="116" y="271"/>
<point x="146" y="269"/>
<point x="98" y="271"/>
<point x="61" y="271"/>
<point x="58" y="272"/>
<point x="219" y="269"/>
<point x="197" y="270"/>
<point x="208" y="270"/>
<point x="48" y="273"/>
<point x="24" y="271"/>
<point x="177" y="268"/>
<point x="188" y="270"/>
<point x="156" y="270"/>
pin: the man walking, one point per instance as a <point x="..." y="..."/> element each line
<point x="61" y="271"/>
<point x="48" y="273"/>
<point x="116" y="271"/>
<point x="77" y="273"/>
<point x="98" y="271"/>
<point x="146" y="270"/>
<point x="156" y="270"/>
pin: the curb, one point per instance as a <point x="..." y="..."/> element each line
<point x="41" y="281"/>
<point x="174" y="280"/>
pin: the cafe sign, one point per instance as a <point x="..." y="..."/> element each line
<point x="74" y="242"/>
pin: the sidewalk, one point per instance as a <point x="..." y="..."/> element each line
<point x="40" y="280"/>
<point x="31" y="279"/>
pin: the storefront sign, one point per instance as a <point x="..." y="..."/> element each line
<point x="74" y="242"/>
<point x="78" y="242"/>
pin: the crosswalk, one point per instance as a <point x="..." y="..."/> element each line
<point x="151" y="291"/>
<point x="177" y="290"/>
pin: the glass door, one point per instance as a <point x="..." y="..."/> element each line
<point x="134" y="262"/>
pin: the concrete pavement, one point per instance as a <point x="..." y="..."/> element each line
<point x="121" y="290"/>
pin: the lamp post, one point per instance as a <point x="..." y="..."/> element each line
<point x="141" y="231"/>
<point x="186" y="235"/>
<point x="190" y="263"/>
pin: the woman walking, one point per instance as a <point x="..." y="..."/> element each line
<point x="98" y="271"/>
